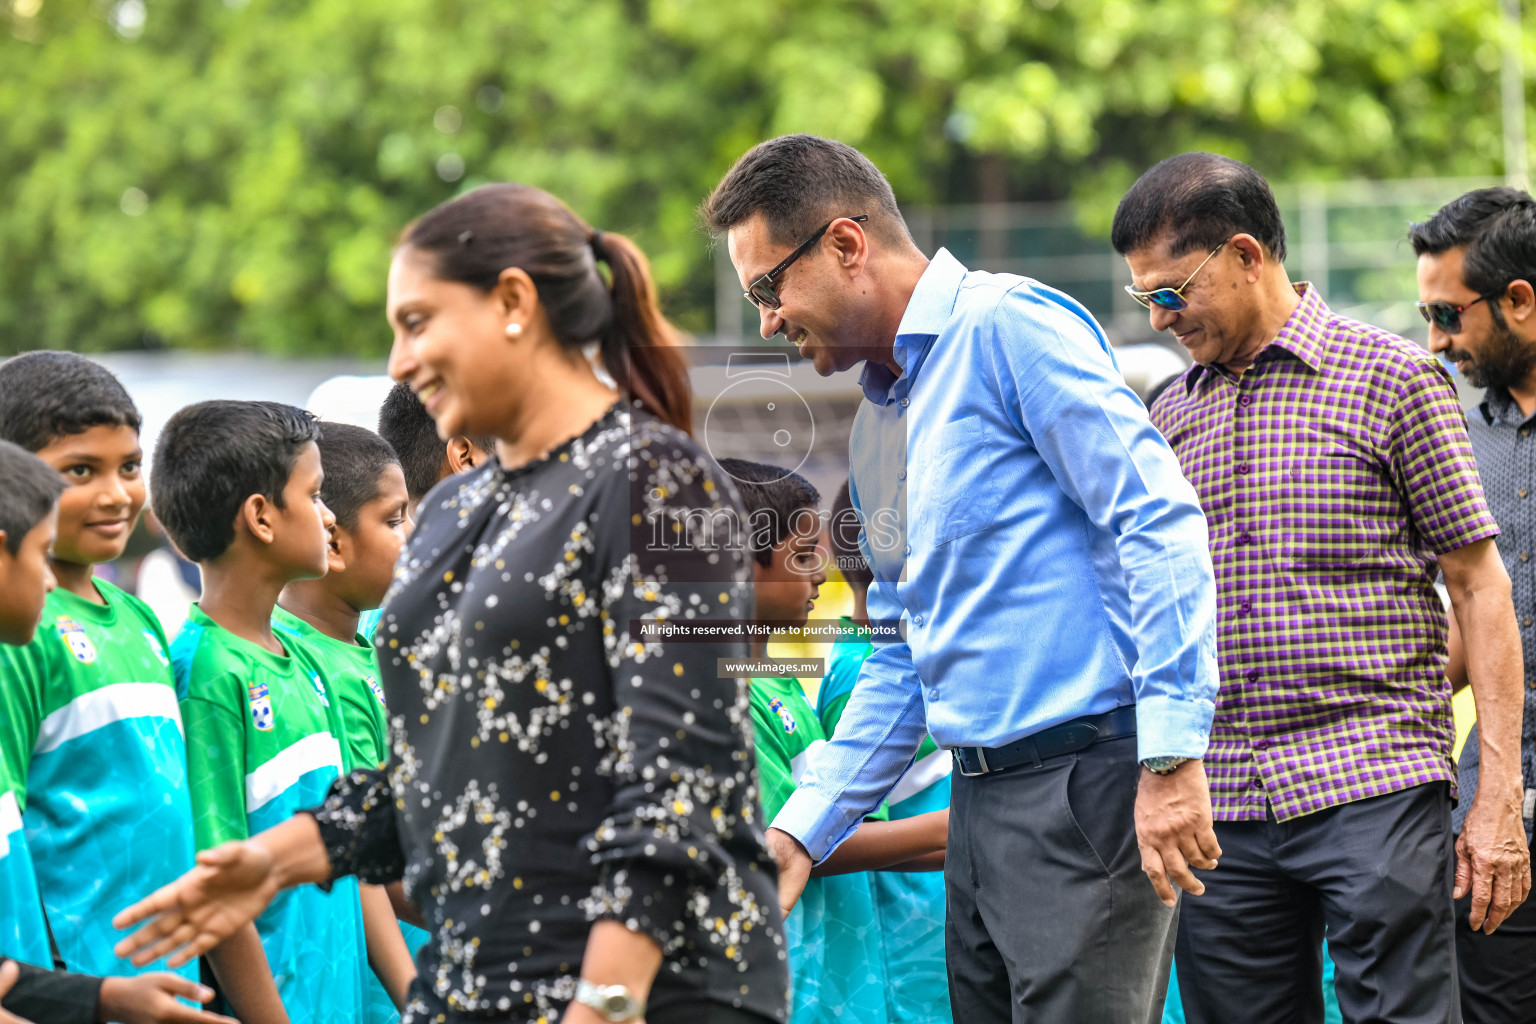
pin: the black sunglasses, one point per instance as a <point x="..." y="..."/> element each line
<point x="1447" y="315"/>
<point x="761" y="292"/>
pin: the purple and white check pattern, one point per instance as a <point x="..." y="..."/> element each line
<point x="1332" y="472"/>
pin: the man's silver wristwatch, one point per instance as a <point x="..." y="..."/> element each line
<point x="1163" y="765"/>
<point x="613" y="1002"/>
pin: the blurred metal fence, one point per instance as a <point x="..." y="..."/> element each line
<point x="1349" y="238"/>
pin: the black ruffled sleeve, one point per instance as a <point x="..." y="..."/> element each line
<point x="358" y="826"/>
<point x="670" y="850"/>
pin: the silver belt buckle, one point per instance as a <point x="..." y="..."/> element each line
<point x="981" y="758"/>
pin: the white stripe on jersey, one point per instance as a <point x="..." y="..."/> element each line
<point x="116" y="703"/>
<point x="802" y="760"/>
<point x="272" y="780"/>
<point x="10" y="821"/>
<point x="933" y="768"/>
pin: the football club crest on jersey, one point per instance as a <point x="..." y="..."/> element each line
<point x="777" y="707"/>
<point x="261" y="707"/>
<point x="314" y="677"/>
<point x="74" y="637"/>
<point x="378" y="692"/>
<point x="156" y="646"/>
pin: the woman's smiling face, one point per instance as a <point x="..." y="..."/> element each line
<point x="451" y="346"/>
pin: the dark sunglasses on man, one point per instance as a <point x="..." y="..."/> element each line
<point x="763" y="292"/>
<point x="1447" y="315"/>
<point x="1171" y="298"/>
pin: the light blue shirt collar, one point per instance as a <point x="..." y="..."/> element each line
<point x="929" y="309"/>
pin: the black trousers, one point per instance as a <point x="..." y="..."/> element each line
<point x="1376" y="873"/>
<point x="1050" y="919"/>
<point x="1498" y="971"/>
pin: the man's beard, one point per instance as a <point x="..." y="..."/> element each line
<point x="1505" y="360"/>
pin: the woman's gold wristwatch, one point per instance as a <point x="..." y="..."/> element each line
<point x="613" y="1002"/>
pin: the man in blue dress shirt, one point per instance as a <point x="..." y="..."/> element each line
<point x="1048" y="564"/>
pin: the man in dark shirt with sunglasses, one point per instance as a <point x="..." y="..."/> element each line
<point x="1332" y="461"/>
<point x="1477" y="265"/>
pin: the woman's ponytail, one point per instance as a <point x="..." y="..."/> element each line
<point x="640" y="349"/>
<point x="476" y="236"/>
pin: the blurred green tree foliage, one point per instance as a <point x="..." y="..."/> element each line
<point x="207" y="174"/>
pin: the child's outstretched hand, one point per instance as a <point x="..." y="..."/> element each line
<point x="8" y="973"/>
<point x="228" y="888"/>
<point x="151" y="999"/>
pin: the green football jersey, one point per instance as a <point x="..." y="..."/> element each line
<point x="836" y="962"/>
<point x="264" y="741"/>
<point x="91" y="732"/>
<point x="23" y="931"/>
<point x="353" y="675"/>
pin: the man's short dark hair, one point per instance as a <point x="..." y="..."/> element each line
<point x="45" y="396"/>
<point x="32" y="487"/>
<point x="212" y="456"/>
<point x="405" y="423"/>
<point x="843" y="528"/>
<point x="798" y="183"/>
<point x="771" y="497"/>
<point x="354" y="459"/>
<point x="1498" y="228"/>
<point x="1199" y="200"/>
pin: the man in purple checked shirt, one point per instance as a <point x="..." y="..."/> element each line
<point x="1332" y="461"/>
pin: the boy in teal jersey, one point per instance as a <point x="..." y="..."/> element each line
<point x="837" y="961"/>
<point x="909" y="905"/>
<point x="237" y="487"/>
<point x="365" y="490"/>
<point x="29" y="517"/>
<point x="91" y="726"/>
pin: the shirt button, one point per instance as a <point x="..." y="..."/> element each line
<point x="1524" y="431"/>
<point x="1525" y="621"/>
<point x="1245" y="401"/>
<point x="1244" y="537"/>
<point x="1253" y="675"/>
<point x="1530" y="684"/>
<point x="907" y="550"/>
<point x="902" y="475"/>
<point x="1523" y="492"/>
<point x="1261" y="745"/>
<point x="1242" y="468"/>
<point x="904" y="403"/>
<point x="1525" y="556"/>
<point x="1258" y="783"/>
<point x="1245" y="606"/>
<point x="917" y="620"/>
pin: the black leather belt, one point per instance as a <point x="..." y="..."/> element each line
<point x="1066" y="738"/>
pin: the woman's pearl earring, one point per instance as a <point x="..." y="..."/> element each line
<point x="514" y="329"/>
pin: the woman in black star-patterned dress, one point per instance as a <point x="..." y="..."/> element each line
<point x="570" y="805"/>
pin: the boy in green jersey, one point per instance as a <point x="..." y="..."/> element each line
<point x="93" y="802"/>
<point x="365" y="490"/>
<point x="836" y="956"/>
<point x="909" y="905"/>
<point x="237" y="487"/>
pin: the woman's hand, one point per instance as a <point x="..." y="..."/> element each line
<point x="152" y="999"/>
<point x="228" y="888"/>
